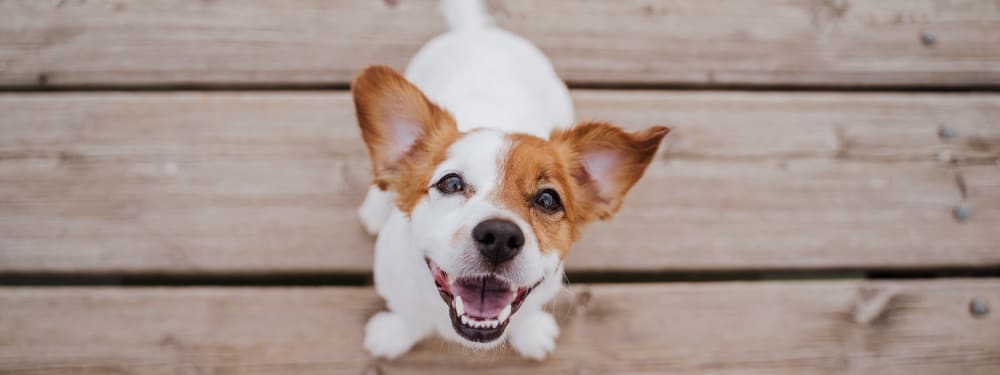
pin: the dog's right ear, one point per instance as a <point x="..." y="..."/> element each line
<point x="397" y="121"/>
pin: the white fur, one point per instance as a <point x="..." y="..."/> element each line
<point x="492" y="82"/>
<point x="465" y="14"/>
<point x="487" y="77"/>
<point x="375" y="210"/>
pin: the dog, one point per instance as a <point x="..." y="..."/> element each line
<point x="481" y="184"/>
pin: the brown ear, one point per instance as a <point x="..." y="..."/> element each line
<point x="605" y="162"/>
<point x="395" y="119"/>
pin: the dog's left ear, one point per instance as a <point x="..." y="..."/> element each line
<point x="397" y="121"/>
<point x="605" y="162"/>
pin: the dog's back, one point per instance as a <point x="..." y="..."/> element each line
<point x="488" y="77"/>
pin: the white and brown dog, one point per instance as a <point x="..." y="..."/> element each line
<point x="481" y="184"/>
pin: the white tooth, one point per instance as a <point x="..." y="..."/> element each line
<point x="465" y="319"/>
<point x="494" y="323"/>
<point x="459" y="306"/>
<point x="504" y="314"/>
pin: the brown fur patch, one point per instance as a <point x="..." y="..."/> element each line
<point x="414" y="178"/>
<point x="383" y="98"/>
<point x="533" y="164"/>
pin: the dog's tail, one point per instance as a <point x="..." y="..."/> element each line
<point x="465" y="14"/>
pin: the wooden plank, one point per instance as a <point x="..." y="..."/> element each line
<point x="840" y="181"/>
<point x="193" y="182"/>
<point x="688" y="42"/>
<point x="850" y="327"/>
<point x="269" y="182"/>
<point x="981" y="190"/>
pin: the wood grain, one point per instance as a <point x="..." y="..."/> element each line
<point x="835" y="327"/>
<point x="686" y="42"/>
<point x="269" y="182"/>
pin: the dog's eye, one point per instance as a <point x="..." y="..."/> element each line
<point x="450" y="184"/>
<point x="548" y="201"/>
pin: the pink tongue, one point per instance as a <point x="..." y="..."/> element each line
<point x="483" y="299"/>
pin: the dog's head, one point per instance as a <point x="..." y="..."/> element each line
<point x="492" y="213"/>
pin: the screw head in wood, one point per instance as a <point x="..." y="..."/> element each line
<point x="962" y="212"/>
<point x="978" y="307"/>
<point x="946" y="132"/>
<point x="927" y="38"/>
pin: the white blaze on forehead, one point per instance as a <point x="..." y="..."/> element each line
<point x="477" y="156"/>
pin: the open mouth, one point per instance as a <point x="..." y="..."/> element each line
<point x="480" y="306"/>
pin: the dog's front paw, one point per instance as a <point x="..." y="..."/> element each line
<point x="387" y="336"/>
<point x="534" y="336"/>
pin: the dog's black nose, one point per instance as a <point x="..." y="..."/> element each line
<point x="498" y="240"/>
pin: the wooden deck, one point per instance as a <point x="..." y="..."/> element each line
<point x="179" y="180"/>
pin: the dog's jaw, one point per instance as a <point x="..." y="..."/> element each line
<point x="483" y="319"/>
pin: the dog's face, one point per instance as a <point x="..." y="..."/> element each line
<point x="492" y="214"/>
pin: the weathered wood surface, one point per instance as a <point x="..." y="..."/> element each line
<point x="269" y="182"/>
<point x="315" y="42"/>
<point x="835" y="327"/>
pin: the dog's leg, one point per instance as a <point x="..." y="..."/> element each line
<point x="388" y="335"/>
<point x="533" y="331"/>
<point x="391" y="333"/>
<point x="533" y="334"/>
<point x="375" y="209"/>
